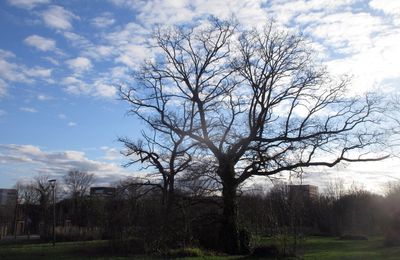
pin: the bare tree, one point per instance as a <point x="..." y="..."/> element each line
<point x="167" y="155"/>
<point x="78" y="182"/>
<point x="27" y="194"/>
<point x="254" y="101"/>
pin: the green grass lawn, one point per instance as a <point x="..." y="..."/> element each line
<point x="314" y="248"/>
<point x="332" y="248"/>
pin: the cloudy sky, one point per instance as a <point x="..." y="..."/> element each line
<point x="61" y="62"/>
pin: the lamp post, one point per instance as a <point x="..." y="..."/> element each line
<point x="53" y="186"/>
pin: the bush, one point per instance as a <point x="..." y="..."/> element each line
<point x="185" y="252"/>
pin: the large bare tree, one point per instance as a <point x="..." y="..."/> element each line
<point x="254" y="101"/>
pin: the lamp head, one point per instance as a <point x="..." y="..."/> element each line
<point x="52" y="183"/>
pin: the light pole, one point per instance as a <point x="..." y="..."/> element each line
<point x="53" y="186"/>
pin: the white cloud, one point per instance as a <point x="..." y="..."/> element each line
<point x="2" y="113"/>
<point x="105" y="90"/>
<point x="98" y="88"/>
<point x="75" y="86"/>
<point x="98" y="52"/>
<point x="62" y="116"/>
<point x="3" y="88"/>
<point x="28" y="109"/>
<point x="56" y="163"/>
<point x="72" y="124"/>
<point x="389" y="7"/>
<point x="132" y="54"/>
<point x="41" y="43"/>
<point x="52" y="60"/>
<point x="37" y="72"/>
<point x="104" y="20"/>
<point x="77" y="40"/>
<point x="346" y="32"/>
<point x="58" y="17"/>
<point x="12" y="72"/>
<point x="111" y="154"/>
<point x="79" y="64"/>
<point x="27" y="4"/>
<point x="43" y="97"/>
<point x="15" y="72"/>
<point x="4" y="54"/>
<point x="248" y="12"/>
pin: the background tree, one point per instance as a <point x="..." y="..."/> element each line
<point x="78" y="184"/>
<point x="254" y="101"/>
<point x="167" y="155"/>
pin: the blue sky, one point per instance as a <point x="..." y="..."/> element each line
<point x="62" y="61"/>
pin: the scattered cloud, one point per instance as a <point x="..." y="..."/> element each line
<point x="105" y="90"/>
<point x="52" y="60"/>
<point x="37" y="72"/>
<point x="110" y="154"/>
<point x="104" y="20"/>
<point x="43" y="97"/>
<point x="58" y="17"/>
<point x="62" y="116"/>
<point x="388" y="7"/>
<point x="79" y="64"/>
<point x="77" y="40"/>
<point x="41" y="43"/>
<point x="57" y="163"/>
<point x="10" y="71"/>
<point x="98" y="52"/>
<point x="28" y="109"/>
<point x="72" y="124"/>
<point x="27" y="4"/>
<point x="98" y="88"/>
<point x="2" y="113"/>
<point x="3" y="88"/>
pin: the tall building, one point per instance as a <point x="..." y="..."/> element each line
<point x="303" y="192"/>
<point x="8" y="202"/>
<point x="102" y="191"/>
<point x="8" y="197"/>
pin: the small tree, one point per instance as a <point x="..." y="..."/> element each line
<point x="254" y="102"/>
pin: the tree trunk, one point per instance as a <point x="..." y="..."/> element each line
<point x="229" y="236"/>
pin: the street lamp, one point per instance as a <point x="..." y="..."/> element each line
<point x="53" y="186"/>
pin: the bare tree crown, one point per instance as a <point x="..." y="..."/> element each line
<point x="254" y="99"/>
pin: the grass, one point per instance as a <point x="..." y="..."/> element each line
<point x="332" y="249"/>
<point x="314" y="248"/>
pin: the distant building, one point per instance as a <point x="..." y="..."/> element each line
<point x="8" y="202"/>
<point x="8" y="197"/>
<point x="102" y="191"/>
<point x="303" y="192"/>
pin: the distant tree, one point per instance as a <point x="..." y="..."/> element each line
<point x="27" y="193"/>
<point x="78" y="182"/>
<point x="253" y="101"/>
<point x="335" y="189"/>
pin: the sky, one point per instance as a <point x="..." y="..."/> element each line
<point x="61" y="63"/>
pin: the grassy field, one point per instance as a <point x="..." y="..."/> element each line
<point x="314" y="248"/>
